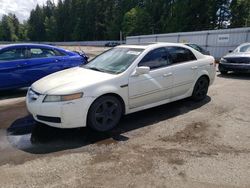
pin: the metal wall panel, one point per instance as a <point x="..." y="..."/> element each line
<point x="218" y="42"/>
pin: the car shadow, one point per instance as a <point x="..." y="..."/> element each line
<point x="29" y="136"/>
<point x="235" y="75"/>
<point x="9" y="94"/>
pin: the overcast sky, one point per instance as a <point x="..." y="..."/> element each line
<point x="21" y="8"/>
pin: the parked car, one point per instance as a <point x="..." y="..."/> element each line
<point x="198" y="48"/>
<point x="23" y="64"/>
<point x="122" y="80"/>
<point x="238" y="60"/>
<point x="112" y="44"/>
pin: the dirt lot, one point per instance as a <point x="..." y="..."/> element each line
<point x="182" y="144"/>
<point x="90" y="51"/>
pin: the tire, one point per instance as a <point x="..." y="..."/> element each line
<point x="105" y="113"/>
<point x="222" y="70"/>
<point x="200" y="89"/>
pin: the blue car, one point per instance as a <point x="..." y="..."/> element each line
<point x="23" y="64"/>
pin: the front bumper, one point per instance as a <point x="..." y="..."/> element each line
<point x="234" y="67"/>
<point x="70" y="114"/>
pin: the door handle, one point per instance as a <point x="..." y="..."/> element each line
<point x="195" y="67"/>
<point x="167" y="74"/>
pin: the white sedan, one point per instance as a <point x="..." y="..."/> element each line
<point x="123" y="80"/>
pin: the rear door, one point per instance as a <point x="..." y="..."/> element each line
<point x="12" y="72"/>
<point x="184" y="68"/>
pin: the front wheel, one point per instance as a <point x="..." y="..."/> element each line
<point x="200" y="89"/>
<point x="222" y="70"/>
<point x="105" y="113"/>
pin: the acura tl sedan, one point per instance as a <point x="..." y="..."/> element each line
<point x="237" y="61"/>
<point x="23" y="64"/>
<point x="123" y="80"/>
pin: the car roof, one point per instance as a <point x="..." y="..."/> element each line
<point x="27" y="44"/>
<point x="244" y="44"/>
<point x="32" y="45"/>
<point x="2" y="46"/>
<point x="152" y="45"/>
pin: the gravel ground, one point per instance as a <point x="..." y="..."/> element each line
<point x="89" y="50"/>
<point x="182" y="144"/>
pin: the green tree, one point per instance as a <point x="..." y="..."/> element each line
<point x="36" y="29"/>
<point x="240" y="13"/>
<point x="101" y="20"/>
<point x="50" y="28"/>
<point x="136" y="22"/>
<point x="8" y="29"/>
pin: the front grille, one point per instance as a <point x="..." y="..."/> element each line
<point x="238" y="60"/>
<point x="49" y="119"/>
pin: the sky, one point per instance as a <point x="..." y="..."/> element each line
<point x="21" y="8"/>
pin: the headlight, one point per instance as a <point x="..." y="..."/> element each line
<point x="222" y="60"/>
<point x="61" y="98"/>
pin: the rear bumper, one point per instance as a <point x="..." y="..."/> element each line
<point x="234" y="67"/>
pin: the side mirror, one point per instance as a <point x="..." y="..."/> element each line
<point x="141" y="70"/>
<point x="230" y="51"/>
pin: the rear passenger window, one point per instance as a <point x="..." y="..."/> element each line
<point x="155" y="59"/>
<point x="41" y="53"/>
<point x="59" y="53"/>
<point x="179" y="54"/>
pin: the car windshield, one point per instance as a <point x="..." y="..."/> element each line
<point x="114" y="61"/>
<point x="245" y="48"/>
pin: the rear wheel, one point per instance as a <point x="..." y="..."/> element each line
<point x="200" y="89"/>
<point x="105" y="113"/>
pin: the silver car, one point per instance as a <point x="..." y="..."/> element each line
<point x="237" y="61"/>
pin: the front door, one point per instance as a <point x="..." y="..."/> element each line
<point x="154" y="87"/>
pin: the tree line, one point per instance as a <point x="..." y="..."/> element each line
<point x="82" y="20"/>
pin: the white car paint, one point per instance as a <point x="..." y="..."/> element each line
<point x="138" y="92"/>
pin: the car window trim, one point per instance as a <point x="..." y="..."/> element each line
<point x="152" y="51"/>
<point x="56" y="50"/>
<point x="181" y="61"/>
<point x="8" y="49"/>
<point x="29" y="48"/>
<point x="171" y="65"/>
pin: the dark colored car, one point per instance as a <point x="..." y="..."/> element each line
<point x="237" y="61"/>
<point x="198" y="48"/>
<point x="112" y="44"/>
<point x="23" y="64"/>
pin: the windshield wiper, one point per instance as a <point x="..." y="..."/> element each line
<point x="96" y="69"/>
<point x="100" y="70"/>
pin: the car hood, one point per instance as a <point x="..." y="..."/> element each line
<point x="69" y="81"/>
<point x="237" y="54"/>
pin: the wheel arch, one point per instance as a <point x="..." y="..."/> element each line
<point x="114" y="95"/>
<point x="203" y="74"/>
<point x="106" y="94"/>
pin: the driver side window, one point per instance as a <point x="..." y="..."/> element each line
<point x="155" y="59"/>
